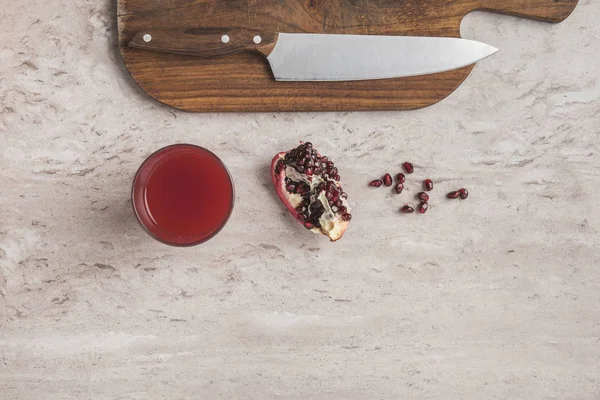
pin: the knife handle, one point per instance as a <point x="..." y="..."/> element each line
<point x="205" y="42"/>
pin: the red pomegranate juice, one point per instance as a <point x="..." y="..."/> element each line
<point x="183" y="195"/>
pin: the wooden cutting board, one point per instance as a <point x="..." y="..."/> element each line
<point x="244" y="82"/>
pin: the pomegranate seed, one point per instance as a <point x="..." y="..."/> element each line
<point x="408" y="167"/>
<point x="376" y="183"/>
<point x="423" y="207"/>
<point x="280" y="166"/>
<point x="328" y="195"/>
<point x="453" y="195"/>
<point x="290" y="187"/>
<point x="407" y="209"/>
<point x="399" y="188"/>
<point x="423" y="196"/>
<point x="309" y="225"/>
<point x="401" y="177"/>
<point x="342" y="210"/>
<point x="309" y="171"/>
<point x="463" y="193"/>
<point x="339" y="203"/>
<point x="346" y="217"/>
<point x="428" y="184"/>
<point x="387" y="180"/>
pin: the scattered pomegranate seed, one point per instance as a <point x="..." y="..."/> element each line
<point x="408" y="167"/>
<point x="423" y="207"/>
<point x="401" y="177"/>
<point x="376" y="183"/>
<point x="399" y="188"/>
<point x="453" y="195"/>
<point x="428" y="184"/>
<point x="423" y="196"/>
<point x="407" y="209"/>
<point x="387" y="180"/>
<point x="463" y="193"/>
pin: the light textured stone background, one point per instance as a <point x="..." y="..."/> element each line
<point x="496" y="297"/>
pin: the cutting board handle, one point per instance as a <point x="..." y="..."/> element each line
<point x="543" y="10"/>
<point x="205" y="42"/>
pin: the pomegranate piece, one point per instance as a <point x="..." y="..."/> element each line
<point x="399" y="188"/>
<point x="453" y="195"/>
<point x="401" y="177"/>
<point x="376" y="183"/>
<point x="308" y="185"/>
<point x="463" y="193"/>
<point x="423" y="207"/>
<point x="387" y="180"/>
<point x="408" y="167"/>
<point x="407" y="209"/>
<point x="423" y="196"/>
<point x="428" y="185"/>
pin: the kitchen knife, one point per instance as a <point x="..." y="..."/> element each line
<point x="323" y="57"/>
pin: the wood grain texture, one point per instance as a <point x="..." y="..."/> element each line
<point x="244" y="82"/>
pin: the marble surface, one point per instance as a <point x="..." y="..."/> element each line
<point x="496" y="297"/>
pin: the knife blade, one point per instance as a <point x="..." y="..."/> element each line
<point x="323" y="57"/>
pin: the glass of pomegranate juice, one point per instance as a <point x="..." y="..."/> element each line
<point x="182" y="195"/>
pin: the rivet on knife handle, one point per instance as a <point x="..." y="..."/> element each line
<point x="205" y="42"/>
